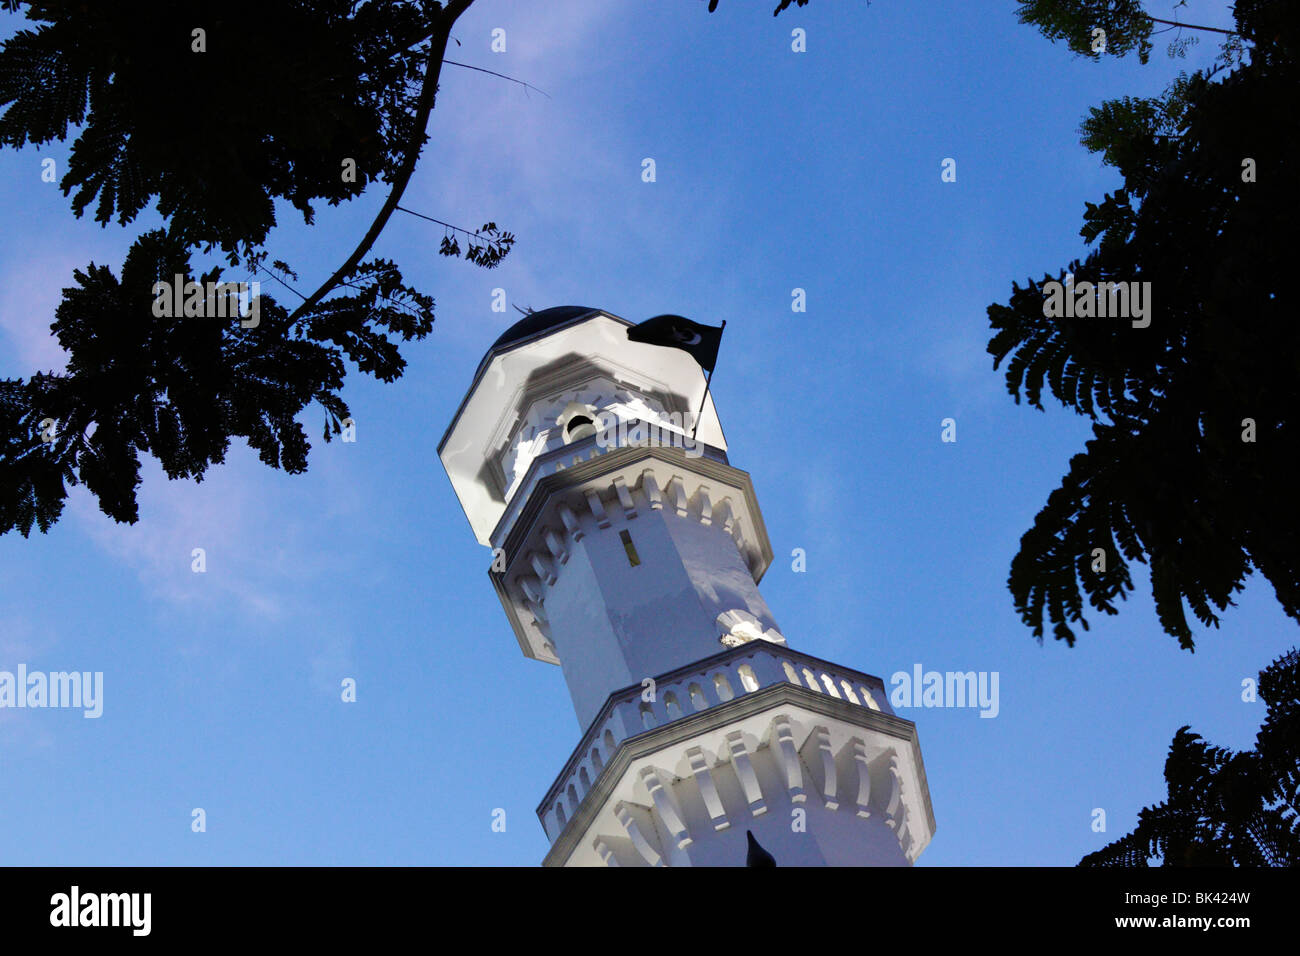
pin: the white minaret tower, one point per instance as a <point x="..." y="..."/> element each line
<point x="630" y="555"/>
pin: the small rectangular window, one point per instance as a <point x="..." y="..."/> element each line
<point x="632" y="557"/>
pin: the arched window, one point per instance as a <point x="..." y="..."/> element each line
<point x="577" y="421"/>
<point x="579" y="426"/>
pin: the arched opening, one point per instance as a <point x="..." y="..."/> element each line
<point x="722" y="687"/>
<point x="747" y="678"/>
<point x="576" y="422"/>
<point x="697" y="697"/>
<point x="578" y="428"/>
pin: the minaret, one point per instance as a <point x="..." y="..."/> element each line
<point x="630" y="555"/>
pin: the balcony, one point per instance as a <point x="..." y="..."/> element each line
<point x="558" y="459"/>
<point x="690" y="690"/>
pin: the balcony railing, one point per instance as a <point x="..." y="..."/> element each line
<point x="558" y="459"/>
<point x="688" y="691"/>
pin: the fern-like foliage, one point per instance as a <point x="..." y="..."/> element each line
<point x="1196" y="416"/>
<point x="213" y="110"/>
<point x="180" y="388"/>
<point x="781" y="5"/>
<point x="280" y="94"/>
<point x="1122" y="22"/>
<point x="1225" y="808"/>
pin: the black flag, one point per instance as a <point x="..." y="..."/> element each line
<point x="701" y="341"/>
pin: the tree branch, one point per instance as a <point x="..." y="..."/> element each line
<point x="1190" y="26"/>
<point x="424" y="107"/>
<point x="527" y="86"/>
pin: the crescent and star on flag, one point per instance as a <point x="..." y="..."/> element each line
<point x="678" y="332"/>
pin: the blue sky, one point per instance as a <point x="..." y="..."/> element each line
<point x="775" y="170"/>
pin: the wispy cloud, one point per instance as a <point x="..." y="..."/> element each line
<point x="23" y="642"/>
<point x="224" y="516"/>
<point x="30" y="291"/>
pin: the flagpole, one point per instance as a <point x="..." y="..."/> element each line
<point x="708" y="379"/>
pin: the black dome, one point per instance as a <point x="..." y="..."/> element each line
<point x="535" y="323"/>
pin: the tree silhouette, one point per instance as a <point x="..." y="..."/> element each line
<point x="1226" y="808"/>
<point x="213" y="110"/>
<point x="1124" y="25"/>
<point x="1197" y="415"/>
